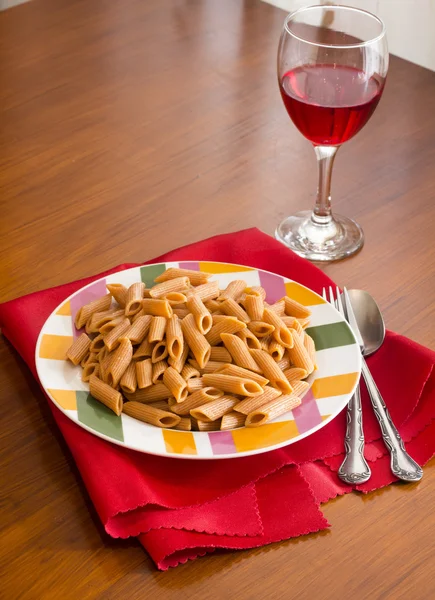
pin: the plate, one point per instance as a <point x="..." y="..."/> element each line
<point x="332" y="384"/>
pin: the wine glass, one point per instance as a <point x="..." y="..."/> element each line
<point x="332" y="66"/>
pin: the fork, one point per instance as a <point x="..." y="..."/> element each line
<point x="354" y="468"/>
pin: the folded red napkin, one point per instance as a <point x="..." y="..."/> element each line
<point x="182" y="509"/>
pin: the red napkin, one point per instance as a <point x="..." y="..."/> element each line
<point x="184" y="509"/>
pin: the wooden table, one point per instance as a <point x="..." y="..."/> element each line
<point x="132" y="127"/>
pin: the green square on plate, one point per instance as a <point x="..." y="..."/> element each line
<point x="98" y="417"/>
<point x="150" y="272"/>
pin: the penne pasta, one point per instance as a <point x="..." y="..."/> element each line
<point x="180" y="312"/>
<point x="252" y="342"/>
<point x="174" y="337"/>
<point x="264" y="343"/>
<point x="293" y="323"/>
<point x="157" y="307"/>
<point x="195" y="277"/>
<point x="98" y="319"/>
<point x="294" y="309"/>
<point x="189" y="372"/>
<point x="144" y="350"/>
<point x="278" y="308"/>
<point x="103" y="366"/>
<point x="178" y="284"/>
<point x="194" y="384"/>
<point x="157" y="329"/>
<point x="206" y="291"/>
<point x="233" y="384"/>
<point x="128" y="382"/>
<point x="232" y="309"/>
<point x="272" y="410"/>
<point x="212" y="305"/>
<point x="133" y="300"/>
<point x="271" y="370"/>
<point x="197" y="342"/>
<point x="207" y="426"/>
<point x="106" y="327"/>
<point x="175" y="299"/>
<point x="300" y="388"/>
<point x="210" y="367"/>
<point x="105" y="394"/>
<point x="198" y="398"/>
<point x="284" y="363"/>
<point x="91" y="368"/>
<point x="228" y="325"/>
<point x="304" y="322"/>
<point x="261" y="329"/>
<point x="295" y="374"/>
<point x="158" y="370"/>
<point x="85" y="312"/>
<point x="178" y="363"/>
<point x="230" y="369"/>
<point x="150" y="414"/>
<point x="185" y="424"/>
<point x="79" y="349"/>
<point x="276" y="351"/>
<point x="118" y="292"/>
<point x="219" y="354"/>
<point x="203" y="318"/>
<point x="111" y="340"/>
<point x="240" y="352"/>
<point x="281" y="333"/>
<point x="248" y="405"/>
<point x="159" y="391"/>
<point x="233" y="290"/>
<point x="137" y="331"/>
<point x="119" y="362"/>
<point x="299" y="356"/>
<point x="144" y="373"/>
<point x="214" y="410"/>
<point x="232" y="420"/>
<point x="218" y="317"/>
<point x="310" y="348"/>
<point x="254" y="306"/>
<point x="162" y="404"/>
<point x="175" y="384"/>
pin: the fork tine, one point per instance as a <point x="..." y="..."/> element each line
<point x="325" y="297"/>
<point x="331" y="296"/>
<point x="340" y="306"/>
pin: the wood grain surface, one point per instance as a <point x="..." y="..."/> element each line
<point x="131" y="127"/>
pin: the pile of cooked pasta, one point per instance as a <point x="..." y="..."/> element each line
<point x="184" y="354"/>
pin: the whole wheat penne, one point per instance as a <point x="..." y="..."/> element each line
<point x="254" y="306"/>
<point x="248" y="405"/>
<point x="278" y="308"/>
<point x="128" y="382"/>
<point x="206" y="291"/>
<point x="207" y="425"/>
<point x="230" y="369"/>
<point x="300" y="388"/>
<point x="159" y="391"/>
<point x="304" y="322"/>
<point x="105" y="394"/>
<point x="119" y="362"/>
<point x="178" y="363"/>
<point x="212" y="305"/>
<point x="162" y="404"/>
<point x="198" y="398"/>
<point x="240" y="352"/>
<point x="252" y="342"/>
<point x="137" y="315"/>
<point x="261" y="329"/>
<point x="195" y="277"/>
<point x="106" y="327"/>
<point x="264" y="343"/>
<point x="119" y="293"/>
<point x="210" y="367"/>
<point x="194" y="384"/>
<point x="178" y="284"/>
<point x="111" y="339"/>
<point x="189" y="372"/>
<point x="133" y="300"/>
<point x="212" y="411"/>
<point x="185" y="424"/>
<point x="220" y="354"/>
<point x="271" y="370"/>
<point x="92" y="368"/>
<point x="104" y="363"/>
<point x="294" y="309"/>
<point x="218" y="317"/>
<point x="85" y="312"/>
<point x="276" y="351"/>
<point x="203" y="318"/>
<point x="228" y="325"/>
<point x="151" y="415"/>
<point x="281" y="333"/>
<point x="175" y="299"/>
<point x="272" y="410"/>
<point x="232" y="309"/>
<point x="233" y="384"/>
<point x="233" y="290"/>
<point x="174" y="337"/>
<point x="144" y="373"/>
<point x="158" y="369"/>
<point x="299" y="356"/>
<point x="144" y="350"/>
<point x="284" y="363"/>
<point x="86" y="358"/>
<point x="157" y="307"/>
<point x="180" y="312"/>
<point x="310" y="348"/>
<point x="257" y="289"/>
<point x="98" y="319"/>
<point x="157" y="329"/>
<point x="197" y="343"/>
<point x="137" y="331"/>
<point x="79" y="349"/>
<point x="91" y="357"/>
<point x="293" y="323"/>
<point x="295" y="374"/>
<point x="232" y="420"/>
<point x="175" y="384"/>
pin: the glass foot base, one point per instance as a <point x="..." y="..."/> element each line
<point x="317" y="241"/>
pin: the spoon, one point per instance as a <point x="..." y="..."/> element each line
<point x="372" y="329"/>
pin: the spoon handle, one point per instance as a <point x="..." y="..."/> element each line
<point x="354" y="469"/>
<point x="402" y="465"/>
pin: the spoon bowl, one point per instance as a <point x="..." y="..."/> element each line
<point x="369" y="318"/>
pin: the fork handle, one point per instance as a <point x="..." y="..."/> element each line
<point x="402" y="465"/>
<point x="354" y="469"/>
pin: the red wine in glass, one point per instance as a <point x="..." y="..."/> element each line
<point x="329" y="103"/>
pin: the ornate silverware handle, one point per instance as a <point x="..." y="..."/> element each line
<point x="402" y="465"/>
<point x="354" y="469"/>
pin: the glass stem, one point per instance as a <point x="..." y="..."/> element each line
<point x="325" y="159"/>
